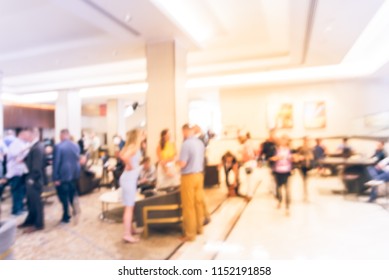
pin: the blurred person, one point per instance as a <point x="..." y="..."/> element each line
<point x="319" y="153"/>
<point x="49" y="155"/>
<point x="379" y="174"/>
<point x="143" y="145"/>
<point x="147" y="175"/>
<point x="248" y="162"/>
<point x="305" y="159"/>
<point x="266" y="150"/>
<point x="191" y="162"/>
<point x="210" y="134"/>
<point x="379" y="153"/>
<point x="231" y="170"/>
<point x="344" y="149"/>
<point x="3" y="158"/>
<point x="198" y="133"/>
<point x="167" y="172"/>
<point x="66" y="173"/>
<point x="35" y="180"/>
<point x="94" y="148"/>
<point x="282" y="168"/>
<point x="17" y="169"/>
<point x="131" y="157"/>
<point x="9" y="137"/>
<point x="118" y="168"/>
<point x="83" y="143"/>
<point x="118" y="142"/>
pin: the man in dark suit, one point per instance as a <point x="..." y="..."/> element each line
<point x="66" y="172"/>
<point x="35" y="180"/>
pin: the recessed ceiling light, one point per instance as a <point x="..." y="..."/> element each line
<point x="127" y="18"/>
<point x="328" y="28"/>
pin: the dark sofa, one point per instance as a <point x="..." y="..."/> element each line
<point x="162" y="208"/>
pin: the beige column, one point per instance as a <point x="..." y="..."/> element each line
<point x="116" y="121"/>
<point x="166" y="98"/>
<point x="68" y="113"/>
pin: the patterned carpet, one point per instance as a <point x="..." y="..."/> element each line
<point x="91" y="238"/>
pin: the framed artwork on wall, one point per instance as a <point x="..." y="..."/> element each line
<point x="314" y="115"/>
<point x="378" y="120"/>
<point x="280" y="115"/>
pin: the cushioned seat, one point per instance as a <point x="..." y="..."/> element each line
<point x="87" y="182"/>
<point x="163" y="208"/>
<point x="211" y="176"/>
<point x="7" y="239"/>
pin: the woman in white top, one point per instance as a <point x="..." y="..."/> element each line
<point x="248" y="161"/>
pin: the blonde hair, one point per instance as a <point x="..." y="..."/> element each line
<point x="132" y="137"/>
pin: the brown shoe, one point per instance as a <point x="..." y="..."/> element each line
<point x="24" y="225"/>
<point x="186" y="239"/>
<point x="32" y="229"/>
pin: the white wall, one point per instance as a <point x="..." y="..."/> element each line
<point x="96" y="124"/>
<point x="137" y="118"/>
<point x="100" y="124"/>
<point x="346" y="102"/>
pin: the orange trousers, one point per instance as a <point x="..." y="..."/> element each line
<point x="192" y="199"/>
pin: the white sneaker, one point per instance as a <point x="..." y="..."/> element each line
<point x="373" y="183"/>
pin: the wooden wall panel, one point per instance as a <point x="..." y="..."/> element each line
<point x="17" y="116"/>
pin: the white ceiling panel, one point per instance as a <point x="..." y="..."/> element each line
<point x="336" y="27"/>
<point x="236" y="36"/>
<point x="43" y="24"/>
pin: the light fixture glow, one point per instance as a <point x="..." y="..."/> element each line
<point x="373" y="39"/>
<point x="42" y="97"/>
<point x="367" y="56"/>
<point x="186" y="14"/>
<point x="129" y="112"/>
<point x="113" y="90"/>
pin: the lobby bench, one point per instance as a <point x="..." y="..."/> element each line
<point x="163" y="208"/>
<point x="7" y="239"/>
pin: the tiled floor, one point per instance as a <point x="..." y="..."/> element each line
<point x="328" y="227"/>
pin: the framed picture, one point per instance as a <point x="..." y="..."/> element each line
<point x="315" y="115"/>
<point x="280" y="115"/>
<point x="378" y="120"/>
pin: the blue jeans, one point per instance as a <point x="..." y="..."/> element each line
<point x="376" y="174"/>
<point x="18" y="191"/>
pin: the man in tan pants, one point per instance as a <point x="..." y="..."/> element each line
<point x="191" y="161"/>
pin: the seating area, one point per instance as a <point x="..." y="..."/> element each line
<point x="79" y="240"/>
<point x="231" y="219"/>
<point x="163" y="208"/>
<point x="7" y="238"/>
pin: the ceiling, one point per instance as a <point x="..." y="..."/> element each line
<point x="54" y="44"/>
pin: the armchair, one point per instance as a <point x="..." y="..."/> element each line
<point x="163" y="208"/>
<point x="7" y="239"/>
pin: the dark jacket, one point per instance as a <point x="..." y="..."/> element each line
<point x="66" y="161"/>
<point x="36" y="163"/>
